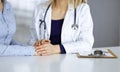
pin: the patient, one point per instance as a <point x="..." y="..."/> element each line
<point x="8" y="47"/>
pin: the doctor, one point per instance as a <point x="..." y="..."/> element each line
<point x="62" y="26"/>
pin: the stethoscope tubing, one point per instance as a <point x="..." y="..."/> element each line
<point x="42" y="21"/>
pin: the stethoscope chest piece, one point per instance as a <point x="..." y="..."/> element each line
<point x="75" y="26"/>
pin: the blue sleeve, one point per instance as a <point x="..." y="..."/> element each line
<point x="62" y="49"/>
<point x="13" y="42"/>
<point x="16" y="50"/>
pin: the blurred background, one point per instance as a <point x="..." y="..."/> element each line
<point x="23" y="10"/>
<point x="105" y="13"/>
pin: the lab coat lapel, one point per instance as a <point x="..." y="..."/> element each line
<point x="65" y="23"/>
<point x="48" y="21"/>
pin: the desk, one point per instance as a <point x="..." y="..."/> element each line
<point x="60" y="63"/>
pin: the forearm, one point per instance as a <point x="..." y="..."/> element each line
<point x="57" y="49"/>
<point x="16" y="50"/>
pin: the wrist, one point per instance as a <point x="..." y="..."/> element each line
<point x="57" y="49"/>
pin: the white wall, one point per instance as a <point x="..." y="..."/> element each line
<point x="119" y="31"/>
<point x="119" y="25"/>
<point x="106" y="16"/>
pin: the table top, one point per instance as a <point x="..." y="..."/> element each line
<point x="60" y="63"/>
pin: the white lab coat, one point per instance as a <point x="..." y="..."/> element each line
<point x="72" y="40"/>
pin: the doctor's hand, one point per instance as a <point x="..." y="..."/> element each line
<point x="41" y="42"/>
<point x="38" y="43"/>
<point x="47" y="49"/>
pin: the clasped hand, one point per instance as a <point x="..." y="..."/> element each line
<point x="44" y="48"/>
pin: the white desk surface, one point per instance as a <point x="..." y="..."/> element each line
<point x="60" y="63"/>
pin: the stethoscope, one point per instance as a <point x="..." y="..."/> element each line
<point x="75" y="26"/>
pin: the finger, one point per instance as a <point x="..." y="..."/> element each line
<point x="40" y="50"/>
<point x="43" y="53"/>
<point x="42" y="41"/>
<point x="49" y="41"/>
<point x="45" y="41"/>
<point x="41" y="46"/>
<point x="36" y="47"/>
<point x="40" y="54"/>
<point x="36" y="44"/>
<point x="39" y="43"/>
